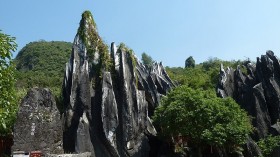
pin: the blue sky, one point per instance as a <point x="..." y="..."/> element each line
<point x="169" y="31"/>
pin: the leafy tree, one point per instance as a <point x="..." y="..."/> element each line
<point x="202" y="119"/>
<point x="147" y="60"/>
<point x="268" y="144"/>
<point x="193" y="77"/>
<point x="190" y="62"/>
<point x="8" y="103"/>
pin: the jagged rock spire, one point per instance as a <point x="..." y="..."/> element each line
<point x="257" y="90"/>
<point x="94" y="49"/>
<point x="108" y="98"/>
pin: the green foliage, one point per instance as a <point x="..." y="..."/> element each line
<point x="268" y="144"/>
<point x="192" y="77"/>
<point x="212" y="67"/>
<point x="20" y="93"/>
<point x="215" y="63"/>
<point x="147" y="60"/>
<point x="190" y="62"/>
<point x="204" y="75"/>
<point x="8" y="103"/>
<point x="94" y="44"/>
<point x="42" y="64"/>
<point x="202" y="118"/>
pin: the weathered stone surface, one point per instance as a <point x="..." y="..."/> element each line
<point x="86" y="154"/>
<point x="133" y="109"/>
<point x="252" y="149"/>
<point x="77" y="100"/>
<point x="257" y="91"/>
<point x="107" y="110"/>
<point x="38" y="125"/>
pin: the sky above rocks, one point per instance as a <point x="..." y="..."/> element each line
<point x="169" y="31"/>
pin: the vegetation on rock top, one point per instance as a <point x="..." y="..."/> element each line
<point x="94" y="44"/>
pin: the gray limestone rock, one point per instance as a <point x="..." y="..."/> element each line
<point x="252" y="149"/>
<point x="38" y="125"/>
<point x="107" y="109"/>
<point x="86" y="154"/>
<point x="77" y="101"/>
<point x="257" y="91"/>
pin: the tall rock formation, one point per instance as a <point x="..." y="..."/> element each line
<point x="108" y="97"/>
<point x="38" y="125"/>
<point x="257" y="90"/>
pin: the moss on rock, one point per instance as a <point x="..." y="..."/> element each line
<point x="133" y="59"/>
<point x="97" y="50"/>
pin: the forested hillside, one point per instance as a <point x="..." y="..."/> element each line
<point x="204" y="75"/>
<point x="42" y="64"/>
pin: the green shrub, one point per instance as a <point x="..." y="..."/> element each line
<point x="202" y="119"/>
<point x="268" y="144"/>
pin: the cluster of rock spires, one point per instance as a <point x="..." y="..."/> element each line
<point x="107" y="109"/>
<point x="109" y="98"/>
<point x="258" y="92"/>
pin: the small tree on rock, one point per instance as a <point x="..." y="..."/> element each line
<point x="147" y="60"/>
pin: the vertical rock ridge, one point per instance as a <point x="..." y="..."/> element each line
<point x="257" y="91"/>
<point x="108" y="97"/>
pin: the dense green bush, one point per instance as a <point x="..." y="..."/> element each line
<point x="8" y="103"/>
<point x="268" y="144"/>
<point x="202" y="119"/>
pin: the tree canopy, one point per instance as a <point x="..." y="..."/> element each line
<point x="202" y="118"/>
<point x="190" y="62"/>
<point x="8" y="103"/>
<point x="204" y="75"/>
<point x="42" y="64"/>
<point x="147" y="60"/>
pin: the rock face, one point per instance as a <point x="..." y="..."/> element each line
<point x="88" y="154"/>
<point x="108" y="97"/>
<point x="38" y="125"/>
<point x="257" y="91"/>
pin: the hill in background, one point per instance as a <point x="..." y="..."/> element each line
<point x="42" y="64"/>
